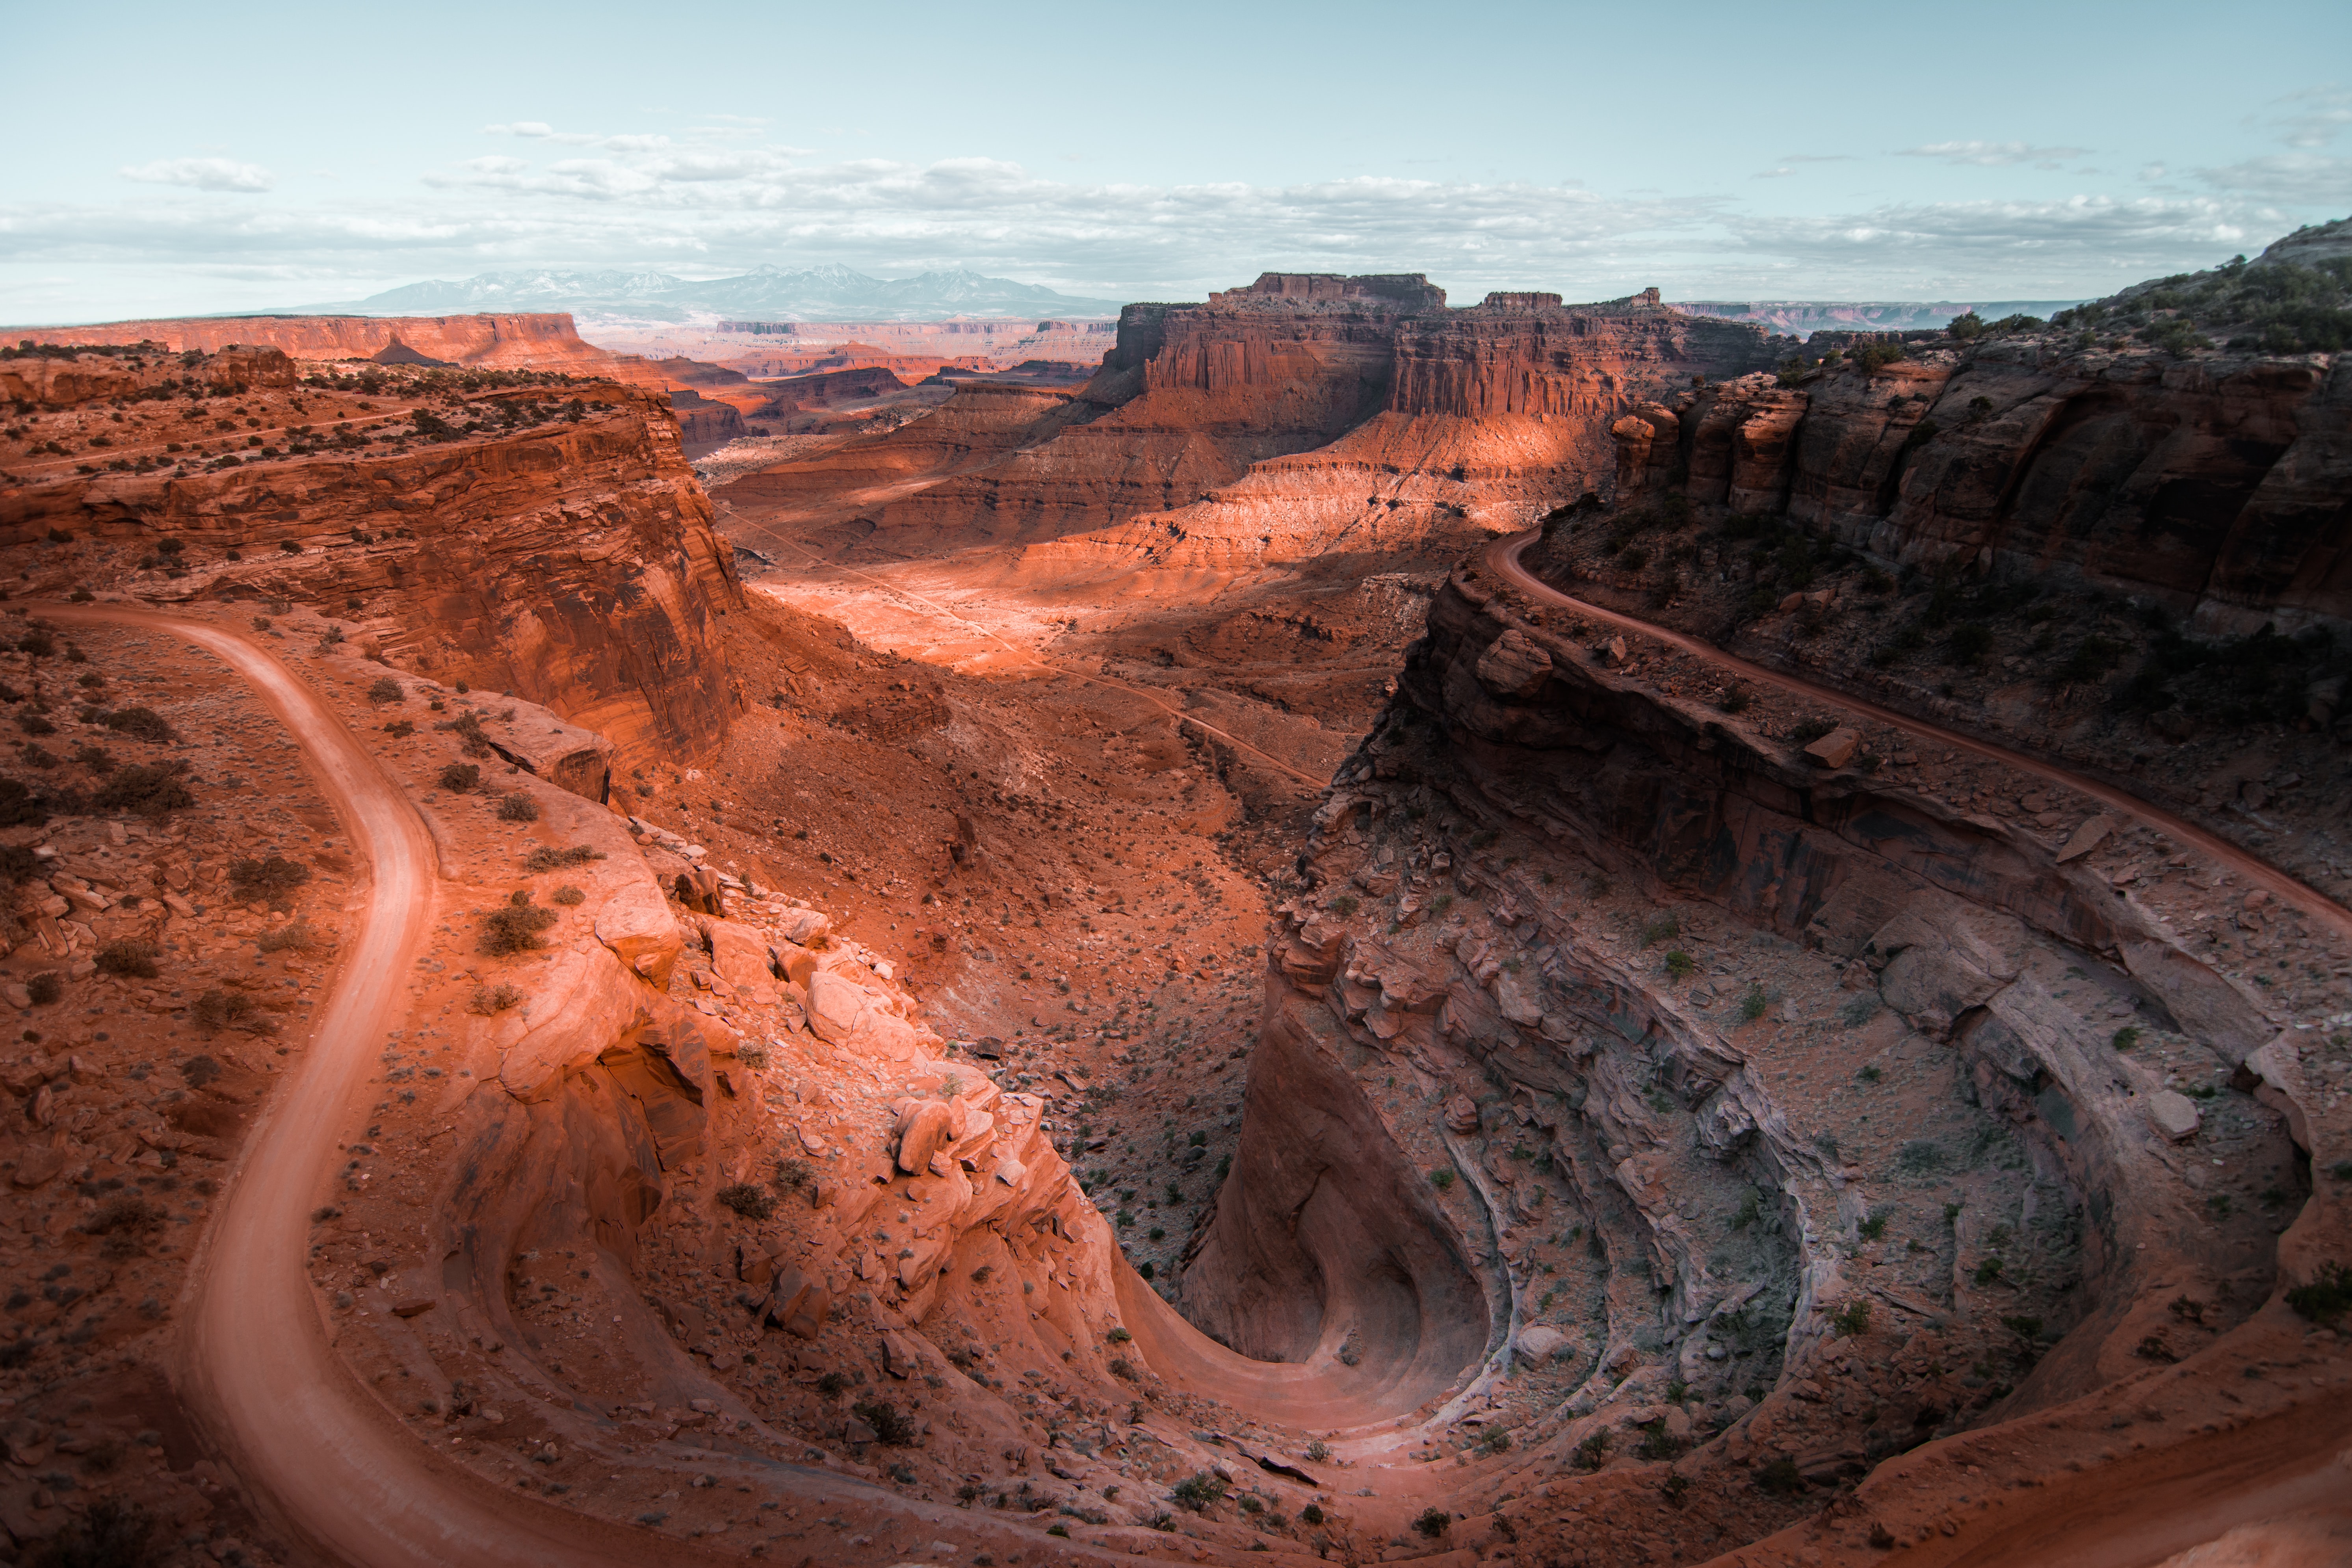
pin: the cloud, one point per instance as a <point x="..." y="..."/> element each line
<point x="1993" y="155"/>
<point x="202" y="173"/>
<point x="2320" y="114"/>
<point x="2302" y="179"/>
<point x="521" y="128"/>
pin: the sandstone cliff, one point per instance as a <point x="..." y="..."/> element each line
<point x="547" y="539"/>
<point x="1670" y="1088"/>
<point x="2212" y="484"/>
<point x="1303" y="414"/>
<point x="543" y="342"/>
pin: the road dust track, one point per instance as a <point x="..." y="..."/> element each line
<point x="321" y="1450"/>
<point x="1502" y="558"/>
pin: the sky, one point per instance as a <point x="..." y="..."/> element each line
<point x="174" y="159"/>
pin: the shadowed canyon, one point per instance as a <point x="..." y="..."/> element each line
<point x="1313" y="926"/>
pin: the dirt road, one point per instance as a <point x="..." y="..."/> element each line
<point x="1502" y="558"/>
<point x="315" y="1446"/>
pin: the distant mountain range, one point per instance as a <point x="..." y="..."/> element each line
<point x="1802" y="318"/>
<point x="764" y="293"/>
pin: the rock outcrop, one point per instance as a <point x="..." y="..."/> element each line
<point x="2211" y="485"/>
<point x="538" y="341"/>
<point x="1303" y="414"/>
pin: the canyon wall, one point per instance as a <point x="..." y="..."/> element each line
<point x="2214" y="485"/>
<point x="1645" y="1065"/>
<point x="571" y="560"/>
<point x="543" y="342"/>
<point x="1304" y="414"/>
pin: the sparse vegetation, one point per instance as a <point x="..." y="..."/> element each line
<point x="128" y="959"/>
<point x="891" y="1429"/>
<point x="145" y="789"/>
<point x="544" y="859"/>
<point x="1681" y="966"/>
<point x="272" y="880"/>
<point x="2327" y="1296"/>
<point x="1196" y="1492"/>
<point x="518" y="807"/>
<point x="514" y="927"/>
<point x="1432" y="1522"/>
<point x="458" y="778"/>
<point x="300" y="936"/>
<point x="1753" y="1005"/>
<point x="1852" y="1319"/>
<point x="751" y="1202"/>
<point x="217" y="1010"/>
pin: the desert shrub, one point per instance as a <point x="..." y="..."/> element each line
<point x="831" y="1383"/>
<point x="2092" y="659"/>
<point x="1197" y="1492"/>
<point x="459" y="777"/>
<point x="794" y="1176"/>
<point x="567" y="895"/>
<point x="544" y="859"/>
<point x="1919" y="1156"/>
<point x="1735" y="699"/>
<point x="387" y="690"/>
<point x="891" y="1429"/>
<point x="297" y="936"/>
<point x="1657" y="1443"/>
<point x="34" y="724"/>
<point x="1781" y="1477"/>
<point x="1493" y="1440"/>
<point x="400" y="729"/>
<point x="518" y="807"/>
<point x="143" y="725"/>
<point x="145" y="789"/>
<point x="2125" y="1037"/>
<point x="46" y="988"/>
<point x="1345" y="904"/>
<point x="1874" y="1227"/>
<point x="749" y="1201"/>
<point x="1593" y="1451"/>
<point x="514" y="927"/>
<point x="96" y="759"/>
<point x="126" y="1214"/>
<point x="2326" y="1297"/>
<point x="1969" y="643"/>
<point x="489" y="999"/>
<point x="217" y="1010"/>
<point x="1123" y="1369"/>
<point x="273" y="879"/>
<point x="112" y="1535"/>
<point x="1681" y="966"/>
<point x="1432" y="1522"/>
<point x="198" y="1071"/>
<point x="18" y="864"/>
<point x="129" y="958"/>
<point x="19" y="806"/>
<point x="1440" y="1179"/>
<point x="1876" y="357"/>
<point x="1753" y="1005"/>
<point x="1662" y="929"/>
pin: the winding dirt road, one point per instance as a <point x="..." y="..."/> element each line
<point x="317" y="1447"/>
<point x="1502" y="558"/>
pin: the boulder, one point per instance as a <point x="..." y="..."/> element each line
<point x="1835" y="749"/>
<point x="799" y="1303"/>
<point x="1460" y="1115"/>
<point x="924" y="1129"/>
<point x="636" y="924"/>
<point x="740" y="955"/>
<point x="1513" y="666"/>
<point x="2174" y="1115"/>
<point x="843" y="1013"/>
<point x="1539" y="1342"/>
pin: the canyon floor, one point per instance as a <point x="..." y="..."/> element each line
<point x="573" y="1015"/>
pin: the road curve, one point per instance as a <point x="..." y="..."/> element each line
<point x="315" y="1447"/>
<point x="1502" y="558"/>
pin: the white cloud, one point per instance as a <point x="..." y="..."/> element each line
<point x="1994" y="154"/>
<point x="521" y="128"/>
<point x="2320" y="112"/>
<point x="202" y="173"/>
<point x="2303" y="179"/>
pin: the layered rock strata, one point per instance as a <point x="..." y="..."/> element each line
<point x="545" y="340"/>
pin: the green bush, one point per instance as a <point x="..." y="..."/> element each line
<point x="1592" y="1453"/>
<point x="1440" y="1179"/>
<point x="1876" y="357"/>
<point x="1345" y="904"/>
<point x="1681" y="966"/>
<point x="1753" y="1005"/>
<point x="1493" y="1440"/>
<point x="2124" y="1038"/>
<point x="1196" y="1492"/>
<point x="1662" y="929"/>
